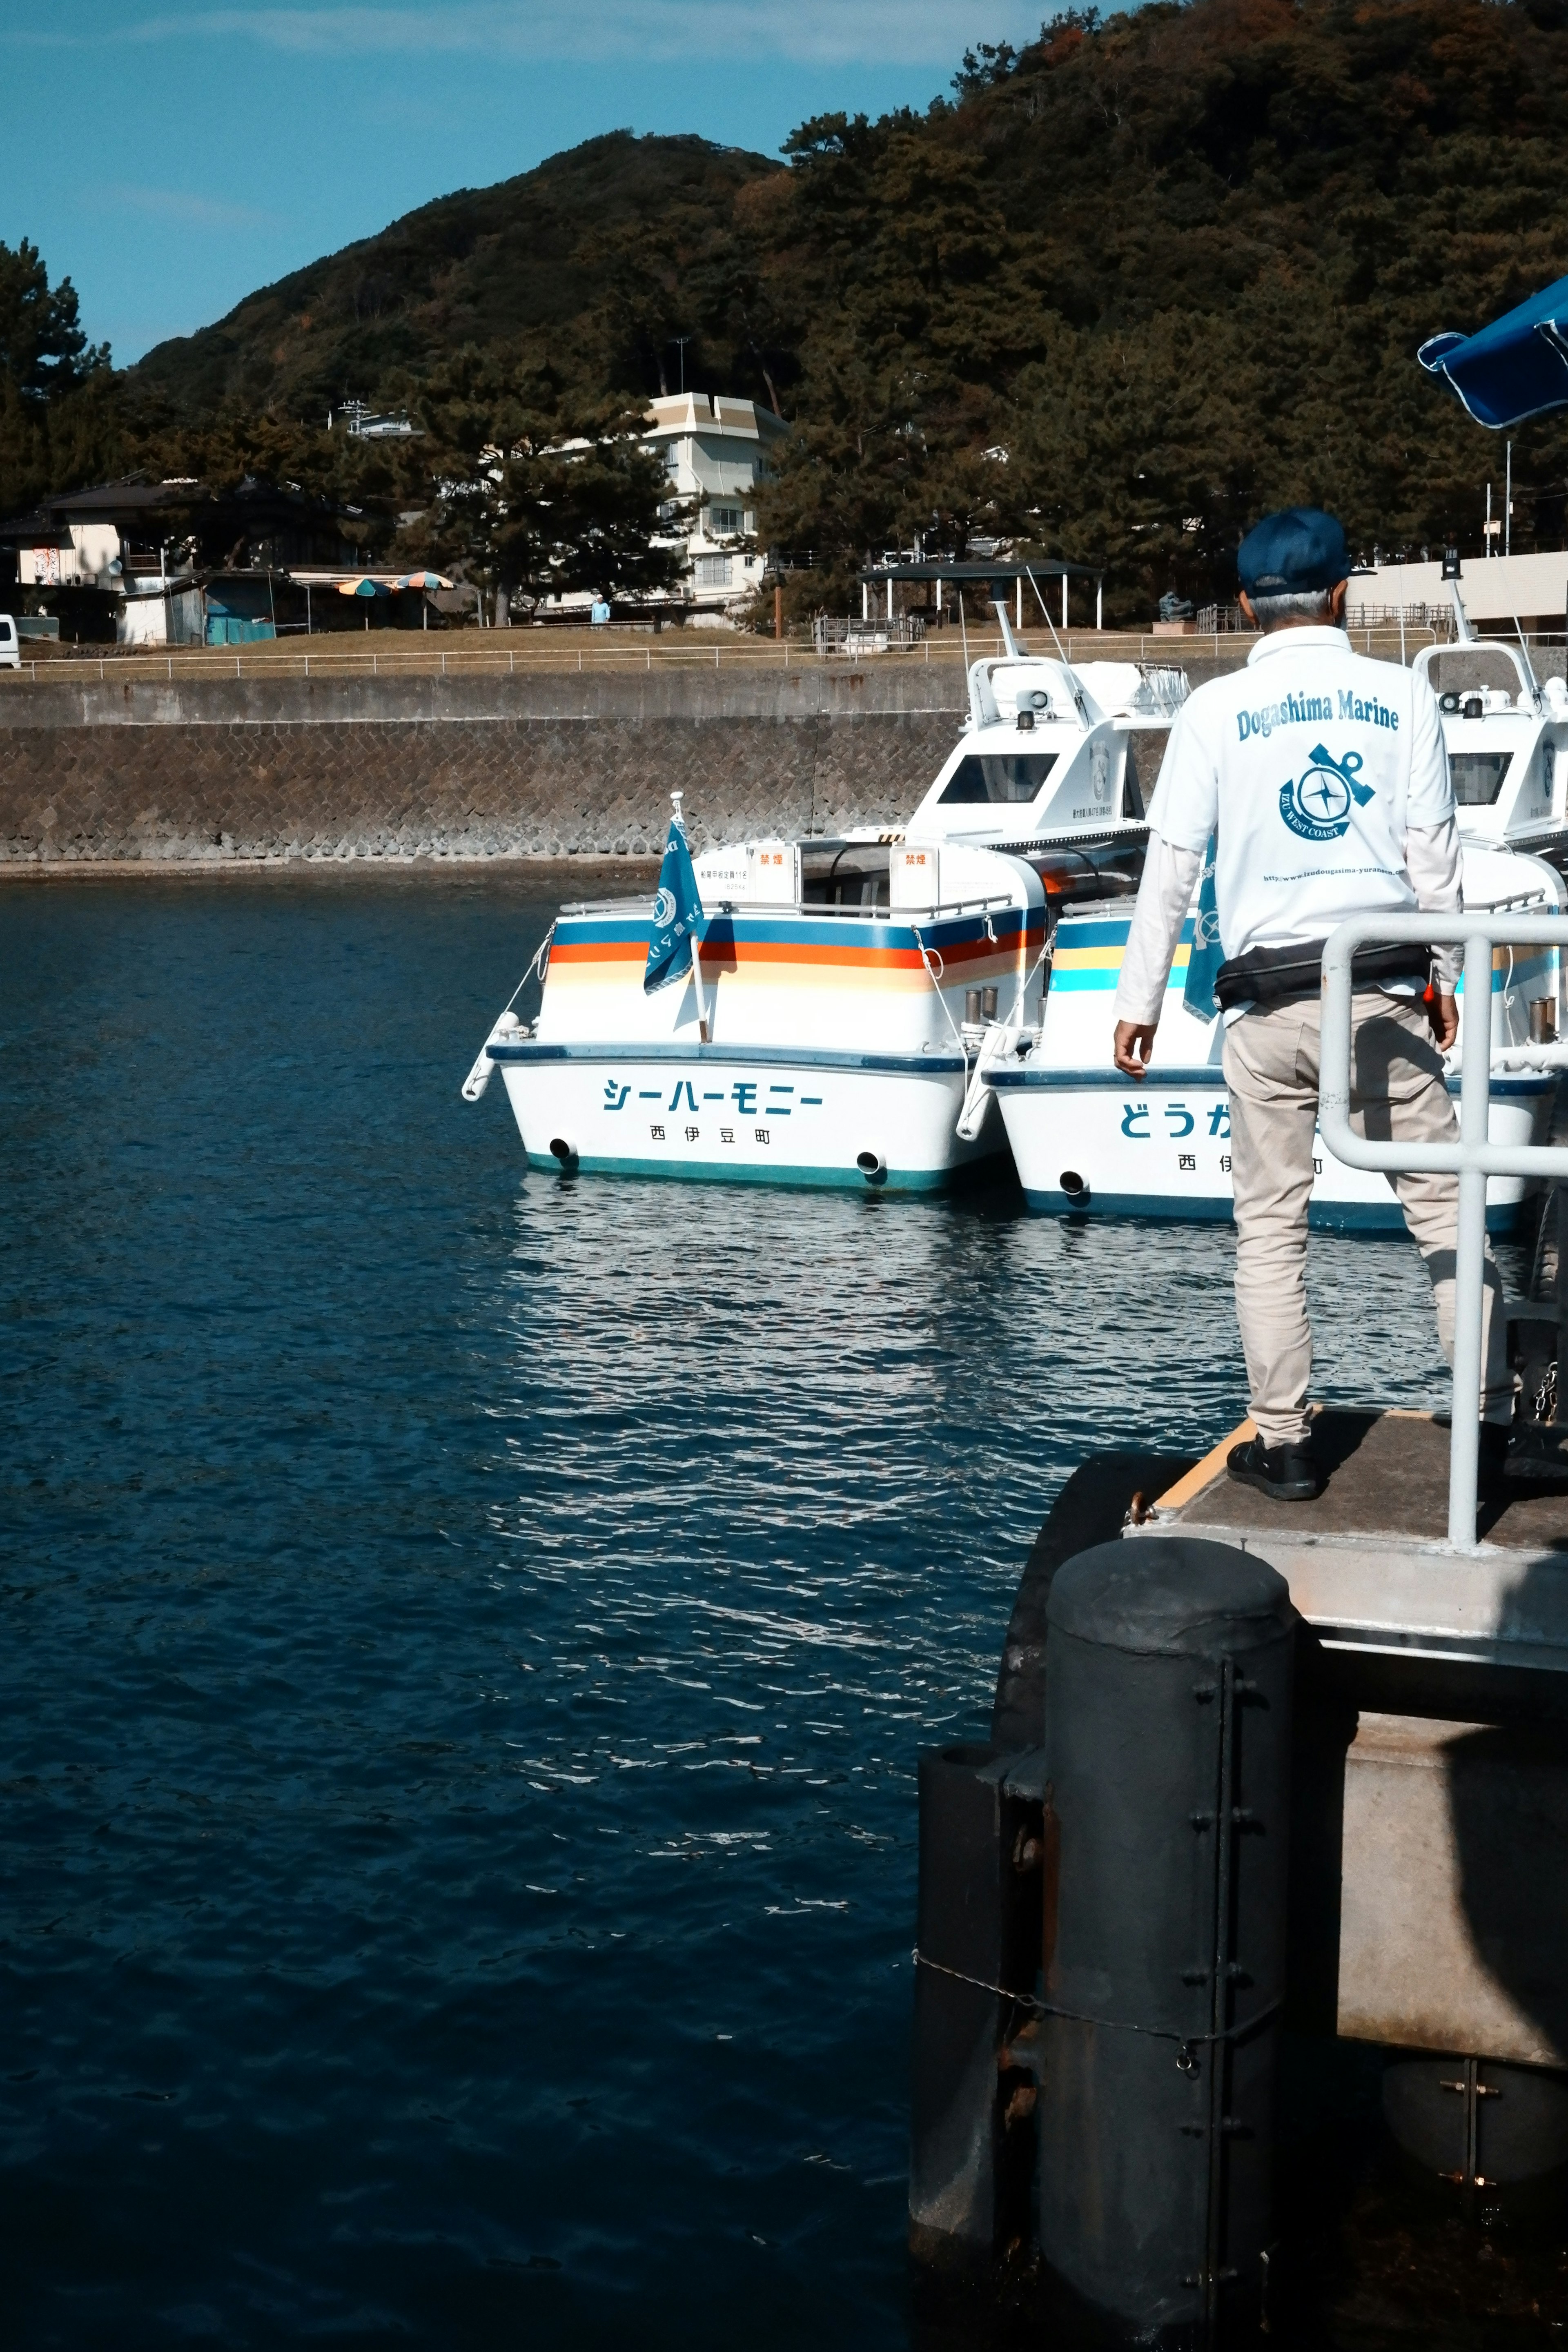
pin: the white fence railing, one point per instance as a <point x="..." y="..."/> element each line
<point x="1472" y="1158"/>
<point x="833" y="634"/>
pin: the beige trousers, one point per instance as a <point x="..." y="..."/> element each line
<point x="1271" y="1063"/>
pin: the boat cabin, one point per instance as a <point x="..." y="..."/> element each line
<point x="1507" y="735"/>
<point x="1052" y="750"/>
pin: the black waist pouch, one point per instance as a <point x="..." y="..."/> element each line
<point x="1273" y="975"/>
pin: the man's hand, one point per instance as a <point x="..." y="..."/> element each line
<point x="1135" y="1046"/>
<point x="1443" y="1012"/>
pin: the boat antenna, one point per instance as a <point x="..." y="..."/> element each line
<point x="962" y="632"/>
<point x="1009" y="643"/>
<point x="1466" y="636"/>
<point x="1073" y="679"/>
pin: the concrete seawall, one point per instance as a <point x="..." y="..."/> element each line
<point x="219" y="770"/>
<point x="213" y="772"/>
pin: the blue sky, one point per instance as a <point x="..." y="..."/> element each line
<point x="174" y="160"/>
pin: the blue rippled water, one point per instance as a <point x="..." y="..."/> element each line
<point x="467" y="1638"/>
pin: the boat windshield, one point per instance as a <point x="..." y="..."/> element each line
<point x="999" y="776"/>
<point x="1472" y="668"/>
<point x="1478" y="776"/>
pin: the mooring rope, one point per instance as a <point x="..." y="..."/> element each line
<point x="1187" y="2043"/>
<point x="539" y="965"/>
<point x="929" y="956"/>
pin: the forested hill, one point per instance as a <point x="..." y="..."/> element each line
<point x="1122" y="290"/>
<point x="557" y="255"/>
<point x="1176" y="267"/>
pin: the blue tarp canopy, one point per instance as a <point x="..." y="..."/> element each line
<point x="1513" y="369"/>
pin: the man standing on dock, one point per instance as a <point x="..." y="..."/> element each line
<point x="1323" y="779"/>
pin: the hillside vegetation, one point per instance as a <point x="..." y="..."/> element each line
<point x="541" y="260"/>
<point x="1128" y="287"/>
<point x="1177" y="267"/>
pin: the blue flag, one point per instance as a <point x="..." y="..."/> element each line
<point x="1205" y="955"/>
<point x="676" y="913"/>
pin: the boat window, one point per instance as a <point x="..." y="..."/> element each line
<point x="1072" y="875"/>
<point x="999" y="776"/>
<point x="1146" y="757"/>
<point x="868" y="891"/>
<point x="856" y="876"/>
<point x="1478" y="776"/>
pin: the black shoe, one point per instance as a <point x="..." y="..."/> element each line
<point x="1287" y="1472"/>
<point x="1493" y="1463"/>
<point x="1495" y="1436"/>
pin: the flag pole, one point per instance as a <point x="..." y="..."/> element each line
<point x="696" y="941"/>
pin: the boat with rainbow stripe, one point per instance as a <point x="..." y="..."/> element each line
<point x="847" y="988"/>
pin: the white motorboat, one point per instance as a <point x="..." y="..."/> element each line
<point x="844" y="987"/>
<point x="1088" y="1141"/>
<point x="1507" y="733"/>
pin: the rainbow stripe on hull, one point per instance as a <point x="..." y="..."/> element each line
<point x="793" y="979"/>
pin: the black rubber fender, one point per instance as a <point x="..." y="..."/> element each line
<point x="1091" y="1509"/>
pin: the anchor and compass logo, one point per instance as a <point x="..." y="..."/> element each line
<point x="1316" y="804"/>
<point x="663" y="908"/>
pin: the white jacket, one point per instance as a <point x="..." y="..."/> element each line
<point x="1325" y="776"/>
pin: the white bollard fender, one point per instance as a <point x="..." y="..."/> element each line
<point x="999" y="1040"/>
<point x="478" y="1077"/>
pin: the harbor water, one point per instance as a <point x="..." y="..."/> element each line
<point x="467" y="1638"/>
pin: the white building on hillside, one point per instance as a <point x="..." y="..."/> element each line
<point x="715" y="453"/>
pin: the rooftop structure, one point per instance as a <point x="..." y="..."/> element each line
<point x="987" y="579"/>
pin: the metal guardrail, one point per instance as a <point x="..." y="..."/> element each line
<point x="473" y="652"/>
<point x="1473" y="1159"/>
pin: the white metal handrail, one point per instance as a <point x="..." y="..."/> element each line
<point x="1473" y="1159"/>
<point x="999" y="902"/>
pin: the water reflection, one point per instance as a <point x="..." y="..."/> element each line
<point x="471" y="1637"/>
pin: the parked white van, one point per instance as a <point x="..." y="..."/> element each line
<point x="10" y="652"/>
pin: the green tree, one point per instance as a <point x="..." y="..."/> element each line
<point x="59" y="415"/>
<point x="1176" y="264"/>
<point x="535" y="494"/>
<point x="43" y="350"/>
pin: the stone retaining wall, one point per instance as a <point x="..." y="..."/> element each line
<point x="228" y="771"/>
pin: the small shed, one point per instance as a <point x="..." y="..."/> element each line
<point x="992" y="576"/>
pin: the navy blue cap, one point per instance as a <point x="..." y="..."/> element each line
<point x="1293" y="552"/>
